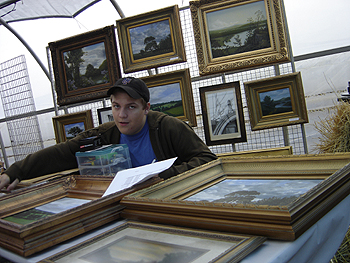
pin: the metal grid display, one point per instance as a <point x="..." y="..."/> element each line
<point x="17" y="99"/>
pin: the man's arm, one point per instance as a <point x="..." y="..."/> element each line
<point x="5" y="181"/>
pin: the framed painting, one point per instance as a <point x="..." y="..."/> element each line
<point x="160" y="243"/>
<point x="104" y="115"/>
<point x="222" y="113"/>
<point x="234" y="35"/>
<point x="278" y="197"/>
<point x="277" y="101"/>
<point x="151" y="39"/>
<point x="85" y="66"/>
<point x="70" y="125"/>
<point x="171" y="93"/>
<point x="43" y="215"/>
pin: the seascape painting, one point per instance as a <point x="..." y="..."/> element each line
<point x="254" y="191"/>
<point x="151" y="39"/>
<point x="167" y="98"/>
<point x="86" y="67"/>
<point x="238" y="29"/>
<point x="275" y="101"/>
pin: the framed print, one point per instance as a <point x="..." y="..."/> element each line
<point x="85" y="66"/>
<point x="233" y="35"/>
<point x="70" y="125"/>
<point x="277" y="101"/>
<point x="151" y="39"/>
<point x="171" y="93"/>
<point x="222" y="112"/>
<point x="278" y="197"/>
<point x="105" y="115"/>
<point x="159" y="243"/>
<point x="43" y="215"/>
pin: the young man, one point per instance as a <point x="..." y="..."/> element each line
<point x="150" y="136"/>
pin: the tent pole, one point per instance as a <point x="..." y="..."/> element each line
<point x="119" y="10"/>
<point x="27" y="46"/>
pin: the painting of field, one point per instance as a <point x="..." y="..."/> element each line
<point x="238" y="29"/>
<point x="167" y="98"/>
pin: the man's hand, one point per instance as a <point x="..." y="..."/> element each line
<point x="5" y="181"/>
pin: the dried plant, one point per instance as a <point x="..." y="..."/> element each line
<point x="335" y="130"/>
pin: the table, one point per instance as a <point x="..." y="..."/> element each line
<point x="318" y="244"/>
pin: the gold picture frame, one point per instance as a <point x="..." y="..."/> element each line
<point x="79" y="78"/>
<point x="277" y="101"/>
<point x="171" y="93"/>
<point x="222" y="112"/>
<point x="160" y="243"/>
<point x="69" y="125"/>
<point x="43" y="215"/>
<point x="234" y="35"/>
<point x="151" y="39"/>
<point x="325" y="179"/>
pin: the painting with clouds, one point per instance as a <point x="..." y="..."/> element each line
<point x="275" y="101"/>
<point x="254" y="191"/>
<point x="167" y="98"/>
<point x="151" y="39"/>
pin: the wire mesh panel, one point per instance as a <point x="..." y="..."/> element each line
<point x="17" y="99"/>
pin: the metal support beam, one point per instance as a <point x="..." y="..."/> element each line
<point x="3" y="22"/>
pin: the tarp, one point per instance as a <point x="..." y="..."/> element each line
<point x="20" y="10"/>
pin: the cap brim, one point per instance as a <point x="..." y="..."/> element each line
<point x="131" y="92"/>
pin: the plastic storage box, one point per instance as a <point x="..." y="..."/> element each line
<point x="107" y="160"/>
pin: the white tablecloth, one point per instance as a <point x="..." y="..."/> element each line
<point x="318" y="244"/>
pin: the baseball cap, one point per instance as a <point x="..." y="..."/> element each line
<point x="136" y="88"/>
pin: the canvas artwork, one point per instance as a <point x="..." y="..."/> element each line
<point x="275" y="101"/>
<point x="254" y="191"/>
<point x="248" y="31"/>
<point x="72" y="130"/>
<point x="40" y="212"/>
<point x="167" y="98"/>
<point x="151" y="39"/>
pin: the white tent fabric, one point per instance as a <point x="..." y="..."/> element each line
<point x="20" y="10"/>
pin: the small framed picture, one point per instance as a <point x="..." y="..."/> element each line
<point x="276" y="102"/>
<point x="70" y="125"/>
<point x="151" y="39"/>
<point x="222" y="111"/>
<point x="105" y="115"/>
<point x="171" y="93"/>
<point x="232" y="35"/>
<point x="85" y="66"/>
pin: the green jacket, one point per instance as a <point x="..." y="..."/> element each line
<point x="170" y="137"/>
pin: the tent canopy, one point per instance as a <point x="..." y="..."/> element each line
<point x="20" y="10"/>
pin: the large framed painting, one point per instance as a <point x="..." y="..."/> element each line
<point x="85" y="65"/>
<point x="278" y="197"/>
<point x="234" y="35"/>
<point x="276" y="101"/>
<point x="43" y="215"/>
<point x="222" y="112"/>
<point x="171" y="93"/>
<point x="159" y="243"/>
<point x="151" y="39"/>
<point x="70" y="125"/>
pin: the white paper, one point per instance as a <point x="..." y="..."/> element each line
<point x="129" y="177"/>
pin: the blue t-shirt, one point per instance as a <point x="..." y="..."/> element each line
<point x="140" y="147"/>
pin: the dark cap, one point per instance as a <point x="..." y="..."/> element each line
<point x="136" y="88"/>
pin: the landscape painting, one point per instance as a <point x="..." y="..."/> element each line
<point x="123" y="250"/>
<point x="255" y="191"/>
<point x="151" y="39"/>
<point x="40" y="212"/>
<point x="275" y="101"/>
<point x="238" y="29"/>
<point x="86" y="67"/>
<point x="72" y="130"/>
<point x="167" y="98"/>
